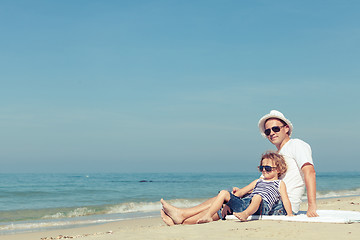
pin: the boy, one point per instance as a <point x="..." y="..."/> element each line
<point x="267" y="190"/>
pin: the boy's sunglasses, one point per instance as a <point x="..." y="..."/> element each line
<point x="267" y="168"/>
<point x="275" y="129"/>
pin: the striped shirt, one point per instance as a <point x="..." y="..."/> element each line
<point x="268" y="190"/>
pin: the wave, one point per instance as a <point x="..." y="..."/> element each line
<point x="92" y="215"/>
<point x="36" y="225"/>
<point x="132" y="207"/>
<point x="339" y="193"/>
<point x="78" y="212"/>
<point x="122" y="208"/>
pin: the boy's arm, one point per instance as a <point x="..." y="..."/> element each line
<point x="285" y="199"/>
<point x="239" y="192"/>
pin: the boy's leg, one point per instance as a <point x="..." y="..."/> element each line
<point x="223" y="196"/>
<point x="179" y="215"/>
<point x="251" y="209"/>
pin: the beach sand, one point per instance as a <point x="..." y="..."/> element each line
<point x="154" y="228"/>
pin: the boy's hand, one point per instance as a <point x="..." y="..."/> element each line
<point x="235" y="189"/>
<point x="225" y="210"/>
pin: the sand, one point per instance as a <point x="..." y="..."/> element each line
<point x="154" y="228"/>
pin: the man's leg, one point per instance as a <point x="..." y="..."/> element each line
<point x="166" y="218"/>
<point x="194" y="219"/>
<point x="178" y="215"/>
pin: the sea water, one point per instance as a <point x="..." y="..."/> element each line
<point x="31" y="202"/>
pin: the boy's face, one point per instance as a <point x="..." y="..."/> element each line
<point x="277" y="138"/>
<point x="273" y="175"/>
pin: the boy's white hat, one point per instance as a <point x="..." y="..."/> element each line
<point x="274" y="114"/>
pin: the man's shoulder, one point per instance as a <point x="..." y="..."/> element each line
<point x="298" y="142"/>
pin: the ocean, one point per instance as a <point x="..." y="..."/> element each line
<point x="32" y="202"/>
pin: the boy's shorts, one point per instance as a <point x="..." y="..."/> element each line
<point x="237" y="204"/>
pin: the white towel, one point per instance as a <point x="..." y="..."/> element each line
<point x="329" y="216"/>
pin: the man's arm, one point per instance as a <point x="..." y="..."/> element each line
<point x="310" y="183"/>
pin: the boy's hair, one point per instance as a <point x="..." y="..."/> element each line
<point x="277" y="159"/>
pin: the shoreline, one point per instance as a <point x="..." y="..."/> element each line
<point x="154" y="228"/>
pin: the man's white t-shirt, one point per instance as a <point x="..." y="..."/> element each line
<point x="296" y="153"/>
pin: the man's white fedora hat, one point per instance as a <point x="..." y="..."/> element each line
<point x="274" y="114"/>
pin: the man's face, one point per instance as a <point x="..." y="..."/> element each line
<point x="277" y="138"/>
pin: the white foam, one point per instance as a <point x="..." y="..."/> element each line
<point x="31" y="226"/>
<point x="133" y="207"/>
<point x="341" y="193"/>
<point x="78" y="212"/>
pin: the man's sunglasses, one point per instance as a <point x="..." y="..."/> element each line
<point x="267" y="168"/>
<point x="275" y="129"/>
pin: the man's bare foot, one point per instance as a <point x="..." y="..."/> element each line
<point x="173" y="212"/>
<point x="241" y="216"/>
<point x="166" y="218"/>
<point x="205" y="219"/>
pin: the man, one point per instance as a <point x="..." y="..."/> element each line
<point x="300" y="173"/>
<point x="277" y="129"/>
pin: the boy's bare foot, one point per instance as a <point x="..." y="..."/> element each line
<point x="166" y="218"/>
<point x="241" y="216"/>
<point x="173" y="212"/>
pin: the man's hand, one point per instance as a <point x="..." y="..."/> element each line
<point x="311" y="212"/>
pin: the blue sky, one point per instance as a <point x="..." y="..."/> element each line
<point x="168" y="86"/>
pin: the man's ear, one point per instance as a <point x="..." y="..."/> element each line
<point x="287" y="129"/>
